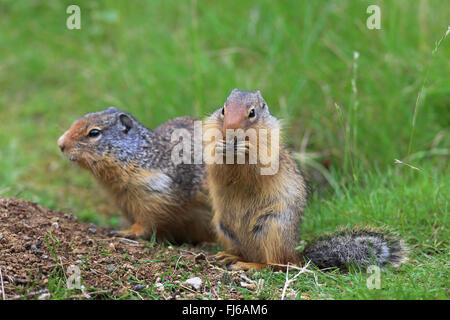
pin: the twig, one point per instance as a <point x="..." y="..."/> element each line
<point x="288" y="281"/>
<point x="176" y="264"/>
<point x="30" y="294"/>
<point x="189" y="289"/>
<point x="3" y="287"/>
<point x="215" y="292"/>
<point x="244" y="277"/>
<point x="404" y="163"/>
<point x="129" y="242"/>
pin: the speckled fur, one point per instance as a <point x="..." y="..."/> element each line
<point x="134" y="164"/>
<point x="257" y="217"/>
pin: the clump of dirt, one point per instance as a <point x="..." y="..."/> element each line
<point x="42" y="251"/>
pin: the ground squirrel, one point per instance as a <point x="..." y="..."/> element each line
<point x="134" y="164"/>
<point x="257" y="217"/>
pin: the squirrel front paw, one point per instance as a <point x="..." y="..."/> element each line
<point x="136" y="231"/>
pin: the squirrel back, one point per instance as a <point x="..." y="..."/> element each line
<point x="257" y="217"/>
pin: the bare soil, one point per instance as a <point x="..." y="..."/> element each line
<point x="40" y="250"/>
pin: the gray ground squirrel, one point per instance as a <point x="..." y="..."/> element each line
<point x="134" y="164"/>
<point x="257" y="217"/>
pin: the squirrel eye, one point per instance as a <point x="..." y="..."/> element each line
<point x="94" y="133"/>
<point x="252" y="113"/>
<point x="223" y="111"/>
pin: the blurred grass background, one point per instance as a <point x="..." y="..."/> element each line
<point x="162" y="59"/>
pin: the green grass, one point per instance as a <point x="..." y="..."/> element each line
<point x="162" y="59"/>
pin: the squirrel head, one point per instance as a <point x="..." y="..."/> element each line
<point x="243" y="109"/>
<point x="242" y="127"/>
<point x="100" y="136"/>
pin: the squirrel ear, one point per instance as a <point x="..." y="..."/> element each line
<point x="126" y="122"/>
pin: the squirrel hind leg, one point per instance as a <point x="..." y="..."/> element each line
<point x="236" y="263"/>
<point x="226" y="258"/>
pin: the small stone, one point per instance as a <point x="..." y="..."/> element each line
<point x="250" y="286"/>
<point x="44" y="296"/>
<point x="1" y="236"/>
<point x="138" y="287"/>
<point x="196" y="282"/>
<point x="112" y="233"/>
<point x="110" y="268"/>
<point x="122" y="291"/>
<point x="35" y="249"/>
<point x="92" y="230"/>
<point x="159" y="286"/>
<point x="55" y="225"/>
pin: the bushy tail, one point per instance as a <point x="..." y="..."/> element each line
<point x="359" y="246"/>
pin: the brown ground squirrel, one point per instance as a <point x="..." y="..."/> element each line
<point x="257" y="217"/>
<point x="134" y="164"/>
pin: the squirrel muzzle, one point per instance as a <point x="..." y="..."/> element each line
<point x="235" y="117"/>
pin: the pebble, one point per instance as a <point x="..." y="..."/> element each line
<point x="1" y="236"/>
<point x="122" y="291"/>
<point x="55" y="224"/>
<point x="196" y="282"/>
<point x="110" y="268"/>
<point x="250" y="286"/>
<point x="159" y="286"/>
<point x="138" y="287"/>
<point x="44" y="296"/>
<point x="35" y="249"/>
<point x="92" y="230"/>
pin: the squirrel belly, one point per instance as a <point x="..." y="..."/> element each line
<point x="257" y="217"/>
<point x="134" y="165"/>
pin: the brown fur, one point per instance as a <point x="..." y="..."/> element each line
<point x="256" y="216"/>
<point x="170" y="213"/>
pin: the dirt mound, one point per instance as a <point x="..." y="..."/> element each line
<point x="42" y="252"/>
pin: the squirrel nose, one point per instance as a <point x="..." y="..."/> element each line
<point x="233" y="120"/>
<point x="61" y="144"/>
